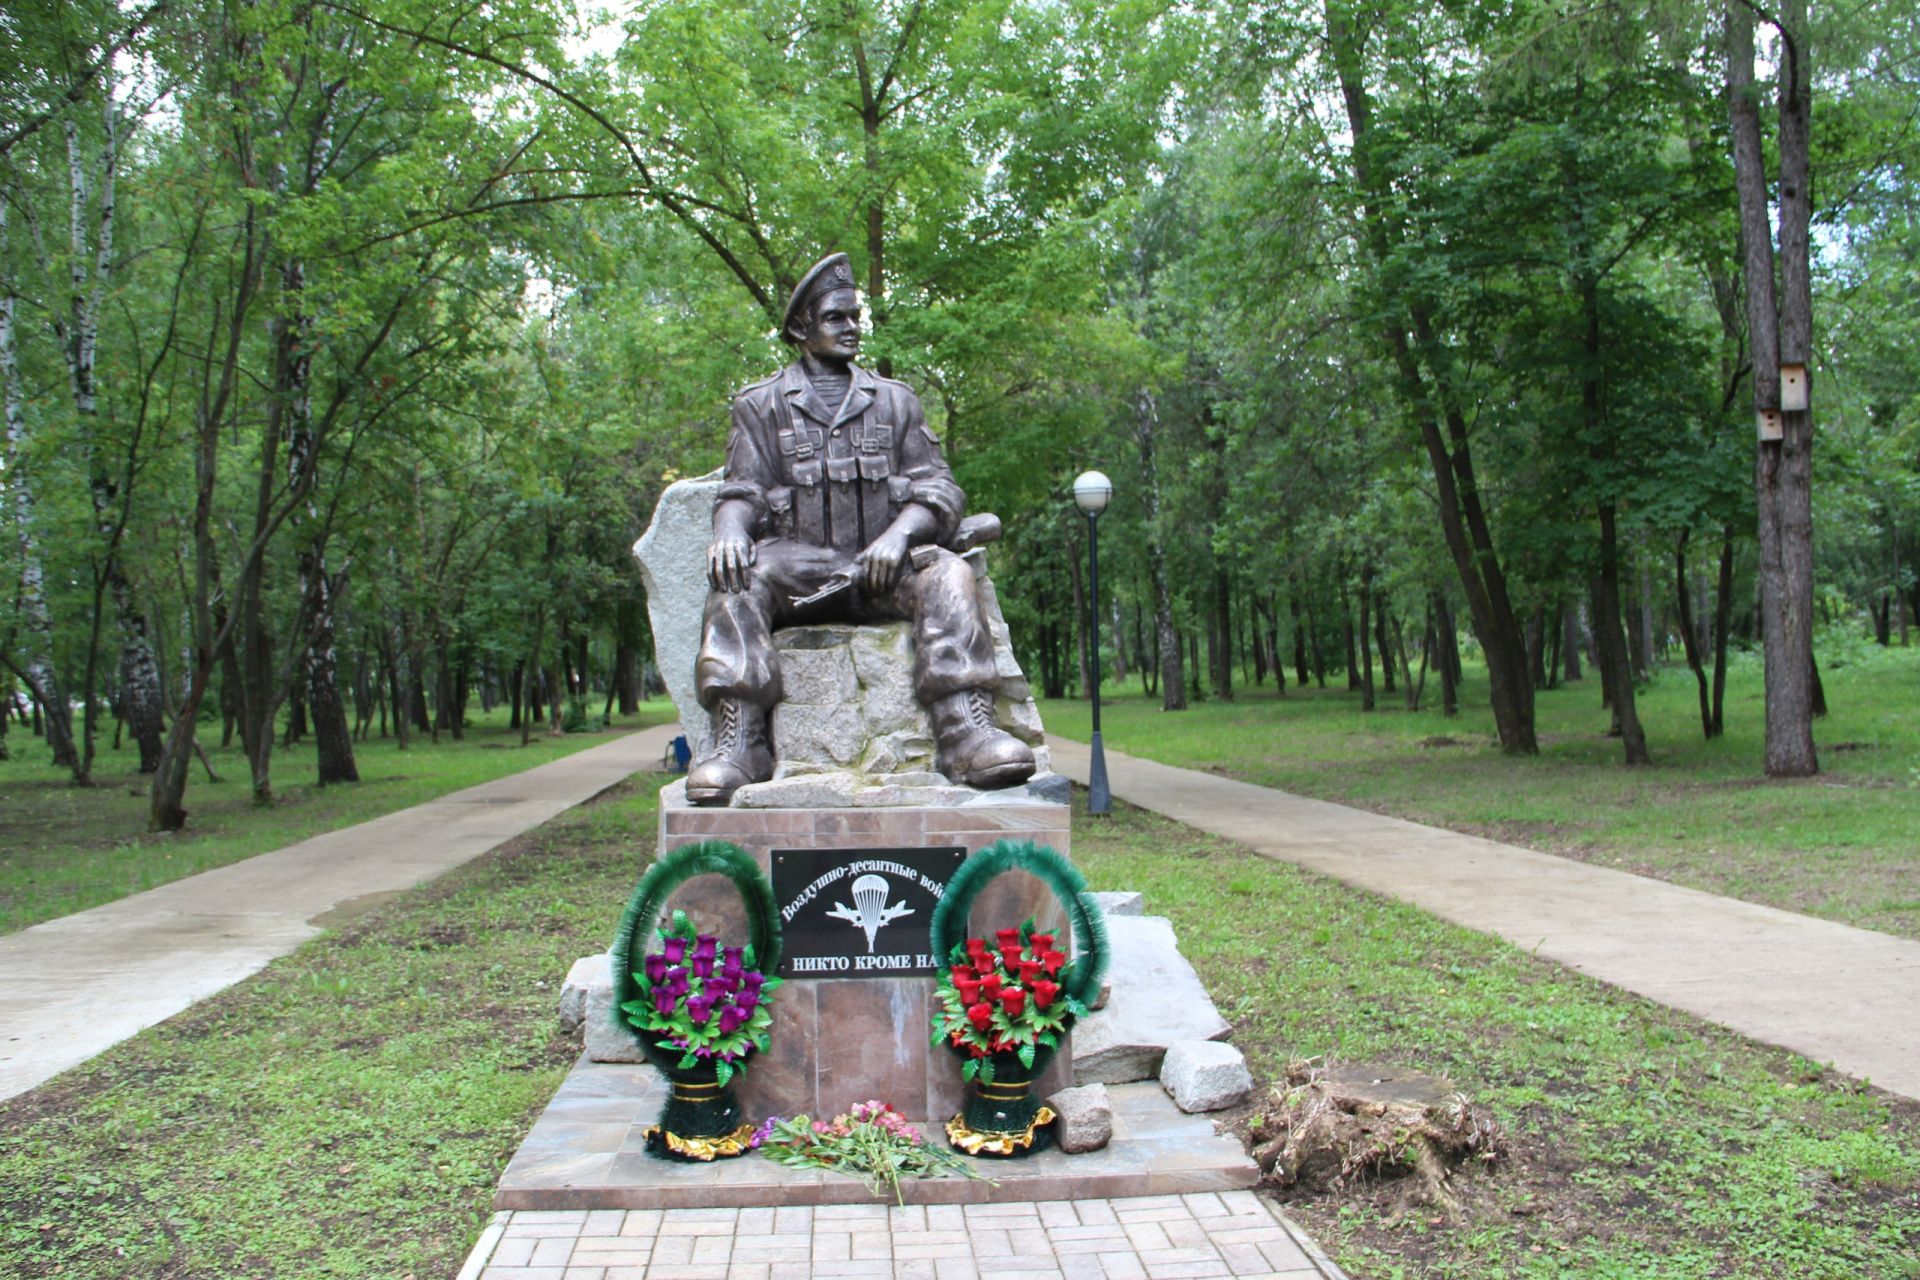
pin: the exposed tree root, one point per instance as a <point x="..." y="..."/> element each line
<point x="1332" y="1129"/>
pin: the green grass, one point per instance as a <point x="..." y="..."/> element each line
<point x="1840" y="845"/>
<point x="65" y="848"/>
<point x="345" y="1112"/>
<point x="1645" y="1145"/>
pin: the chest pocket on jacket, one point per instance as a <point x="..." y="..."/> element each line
<point x="798" y="443"/>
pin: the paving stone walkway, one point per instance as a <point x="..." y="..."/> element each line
<point x="73" y="987"/>
<point x="1229" y="1233"/>
<point x="1836" y="994"/>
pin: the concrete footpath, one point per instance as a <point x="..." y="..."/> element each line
<point x="1834" y="993"/>
<point x="72" y="987"/>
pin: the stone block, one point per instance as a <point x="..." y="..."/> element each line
<point x="820" y="790"/>
<point x="1086" y="1118"/>
<point x="587" y="972"/>
<point x="829" y="736"/>
<point x="823" y="677"/>
<point x="1157" y="1000"/>
<point x="606" y="1041"/>
<point x="1205" y="1075"/>
<point x="673" y="563"/>
<point x="1121" y="904"/>
<point x="837" y="1041"/>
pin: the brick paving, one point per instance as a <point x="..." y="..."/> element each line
<point x="1228" y="1233"/>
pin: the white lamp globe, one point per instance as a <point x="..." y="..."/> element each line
<point x="1091" y="492"/>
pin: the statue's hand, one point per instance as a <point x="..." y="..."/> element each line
<point x="728" y="559"/>
<point x="880" y="562"/>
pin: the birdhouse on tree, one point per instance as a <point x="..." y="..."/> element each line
<point x="1793" y="388"/>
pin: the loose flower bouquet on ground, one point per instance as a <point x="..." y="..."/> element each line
<point x="708" y="1002"/>
<point x="1004" y="999"/>
<point x="872" y="1141"/>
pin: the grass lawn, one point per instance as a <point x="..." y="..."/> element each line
<point x="346" y="1112"/>
<point x="1841" y="845"/>
<point x="65" y="848"/>
<point x="1645" y="1145"/>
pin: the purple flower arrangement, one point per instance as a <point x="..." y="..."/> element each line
<point x="708" y="1001"/>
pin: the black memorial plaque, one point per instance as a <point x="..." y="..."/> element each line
<point x="859" y="913"/>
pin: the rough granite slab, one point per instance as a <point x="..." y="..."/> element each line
<point x="1156" y="1000"/>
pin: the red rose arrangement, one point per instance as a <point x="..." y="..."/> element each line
<point x="1005" y="998"/>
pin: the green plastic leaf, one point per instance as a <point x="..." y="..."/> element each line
<point x="723" y="1072"/>
<point x="1026" y="1056"/>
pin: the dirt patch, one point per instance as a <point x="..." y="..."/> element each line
<point x="437" y="936"/>
<point x="1441" y="740"/>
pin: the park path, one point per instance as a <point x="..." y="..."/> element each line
<point x="1828" y="991"/>
<point x="72" y="987"/>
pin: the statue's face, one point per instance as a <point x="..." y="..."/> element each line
<point x="834" y="334"/>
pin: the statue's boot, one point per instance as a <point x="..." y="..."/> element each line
<point x="740" y="753"/>
<point x="974" y="749"/>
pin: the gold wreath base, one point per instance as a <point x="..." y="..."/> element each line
<point x="974" y="1141"/>
<point x="720" y="1148"/>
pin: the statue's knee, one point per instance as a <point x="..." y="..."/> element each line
<point x="946" y="571"/>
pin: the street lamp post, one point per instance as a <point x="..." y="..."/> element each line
<point x="1091" y="492"/>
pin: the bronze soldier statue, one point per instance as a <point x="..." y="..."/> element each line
<point x="838" y="507"/>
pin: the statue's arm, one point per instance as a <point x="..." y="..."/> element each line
<point x="741" y="506"/>
<point x="932" y="509"/>
<point x="934" y="490"/>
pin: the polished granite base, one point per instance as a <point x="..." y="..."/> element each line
<point x="585" y="1152"/>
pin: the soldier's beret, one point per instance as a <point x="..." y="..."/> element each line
<point x="830" y="273"/>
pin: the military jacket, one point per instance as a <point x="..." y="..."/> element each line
<point x="835" y="478"/>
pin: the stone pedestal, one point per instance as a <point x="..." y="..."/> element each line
<point x="838" y="1041"/>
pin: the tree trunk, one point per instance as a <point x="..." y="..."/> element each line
<point x="1406" y="672"/>
<point x="333" y="739"/>
<point x="1223" y="629"/>
<point x="1639" y="633"/>
<point x="1555" y="630"/>
<point x="1447" y="658"/>
<point x="1346" y="625"/>
<point x="1683" y="593"/>
<point x="1382" y="635"/>
<point x="1299" y="649"/>
<point x="1777" y="334"/>
<point x="1570" y="641"/>
<point x="1366" y="654"/>
<point x="1537" y="646"/>
<point x="37" y="670"/>
<point x="1610" y="638"/>
<point x="1426" y="658"/>
<point x="1146" y="423"/>
<point x="1423" y="361"/>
